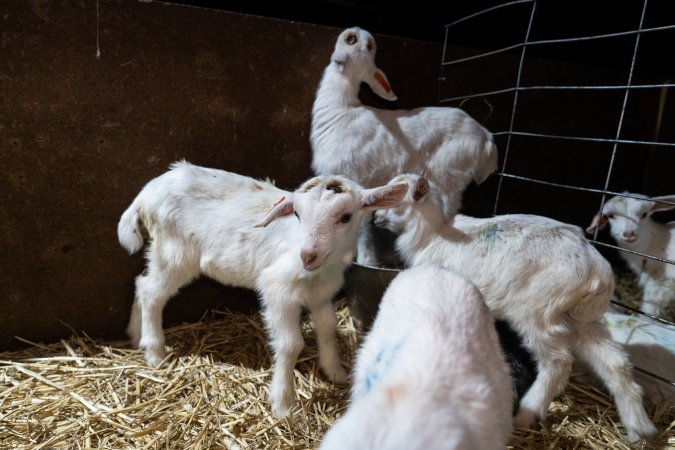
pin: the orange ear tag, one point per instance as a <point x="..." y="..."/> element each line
<point x="283" y="197"/>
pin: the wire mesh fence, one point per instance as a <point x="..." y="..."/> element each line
<point x="572" y="133"/>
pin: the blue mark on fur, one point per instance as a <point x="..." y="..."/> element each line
<point x="492" y="232"/>
<point x="383" y="361"/>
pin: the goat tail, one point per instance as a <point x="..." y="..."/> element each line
<point x="129" y="230"/>
<point x="609" y="362"/>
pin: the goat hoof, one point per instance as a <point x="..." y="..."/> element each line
<point x="525" y="418"/>
<point x="338" y="375"/>
<point x="134" y="337"/>
<point x="154" y="358"/>
<point x="281" y="408"/>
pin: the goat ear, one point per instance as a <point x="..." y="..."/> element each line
<point x="387" y="196"/>
<point x="486" y="165"/>
<point x="657" y="206"/>
<point x="421" y="189"/>
<point x="380" y="85"/>
<point x="283" y="207"/>
<point x="339" y="57"/>
<point x="599" y="221"/>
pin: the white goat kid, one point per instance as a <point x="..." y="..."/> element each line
<point x="430" y="374"/>
<point x="632" y="228"/>
<point x="540" y="275"/>
<point x="371" y="145"/>
<point x="212" y="222"/>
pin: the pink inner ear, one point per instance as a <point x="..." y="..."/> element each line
<point x="662" y="206"/>
<point x="383" y="81"/>
<point x="599" y="222"/>
<point x="285" y="209"/>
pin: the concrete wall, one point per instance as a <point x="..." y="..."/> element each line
<point x="80" y="136"/>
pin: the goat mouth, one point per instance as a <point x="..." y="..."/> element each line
<point x="311" y="267"/>
<point x="380" y="223"/>
<point x="629" y="239"/>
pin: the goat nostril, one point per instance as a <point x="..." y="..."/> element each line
<point x="308" y="257"/>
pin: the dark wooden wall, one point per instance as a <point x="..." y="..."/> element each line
<point x="80" y="136"/>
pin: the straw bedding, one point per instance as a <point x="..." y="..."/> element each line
<point x="82" y="393"/>
<point x="630" y="293"/>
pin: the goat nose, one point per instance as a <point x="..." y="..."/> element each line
<point x="308" y="258"/>
<point x="629" y="234"/>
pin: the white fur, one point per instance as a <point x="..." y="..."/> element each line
<point x="632" y="228"/>
<point x="212" y="222"/>
<point x="430" y="374"/>
<point x="542" y="276"/>
<point x="371" y="145"/>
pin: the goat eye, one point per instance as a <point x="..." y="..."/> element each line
<point x="370" y="45"/>
<point x="611" y="216"/>
<point x="334" y="187"/>
<point x="644" y="214"/>
<point x="346" y="218"/>
<point x="351" y="39"/>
